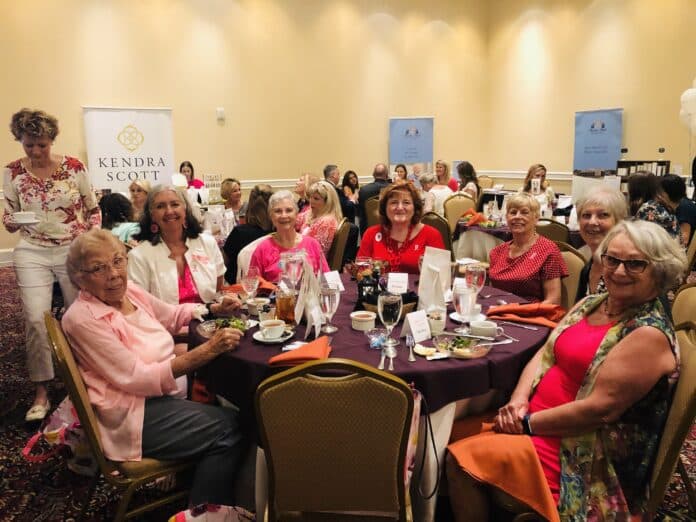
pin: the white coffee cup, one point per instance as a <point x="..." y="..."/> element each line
<point x="436" y="319"/>
<point x="24" y="217"/>
<point x="272" y="328"/>
<point x="255" y="304"/>
<point x="485" y="328"/>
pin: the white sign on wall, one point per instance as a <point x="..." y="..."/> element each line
<point x="125" y="144"/>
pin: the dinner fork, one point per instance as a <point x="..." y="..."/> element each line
<point x="410" y="342"/>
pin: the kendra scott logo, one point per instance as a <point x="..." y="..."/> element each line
<point x="131" y="138"/>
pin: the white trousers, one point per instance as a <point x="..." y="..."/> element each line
<point x="36" y="268"/>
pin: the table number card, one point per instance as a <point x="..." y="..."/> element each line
<point x="397" y="282"/>
<point x="333" y="278"/>
<point x="416" y="323"/>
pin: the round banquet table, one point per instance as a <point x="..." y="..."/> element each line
<point x="236" y="375"/>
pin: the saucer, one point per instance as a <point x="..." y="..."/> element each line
<point x="258" y="336"/>
<point x="459" y="319"/>
<point x="27" y="221"/>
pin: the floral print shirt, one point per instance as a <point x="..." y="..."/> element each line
<point x="605" y="474"/>
<point x="64" y="203"/>
<point x="322" y="229"/>
<point x="659" y="214"/>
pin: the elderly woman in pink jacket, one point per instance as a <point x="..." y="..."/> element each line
<point x="122" y="340"/>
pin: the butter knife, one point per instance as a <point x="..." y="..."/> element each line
<point x="482" y="337"/>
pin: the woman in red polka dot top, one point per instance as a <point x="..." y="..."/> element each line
<point x="530" y="265"/>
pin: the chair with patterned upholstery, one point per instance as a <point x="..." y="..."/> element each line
<point x="125" y="476"/>
<point x="575" y="262"/>
<point x="485" y="182"/>
<point x="342" y="450"/>
<point x="455" y="206"/>
<point x="372" y="211"/>
<point x="338" y="246"/>
<point x="553" y="230"/>
<point x="437" y="221"/>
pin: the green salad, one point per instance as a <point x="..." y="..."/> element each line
<point x="231" y="322"/>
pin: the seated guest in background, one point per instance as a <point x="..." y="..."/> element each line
<point x="305" y="181"/>
<point x="258" y="224"/>
<point x="175" y="261"/>
<point x="529" y="265"/>
<point x="138" y="196"/>
<point x="400" y="173"/>
<point x="121" y="337"/>
<point x="546" y="195"/>
<point x="117" y="216"/>
<point x="380" y="174"/>
<point x="685" y="209"/>
<point x="434" y="194"/>
<point x="231" y="193"/>
<point x="401" y="238"/>
<point x="657" y="206"/>
<point x="442" y="171"/>
<point x="323" y="217"/>
<point x="593" y="400"/>
<point x="266" y="257"/>
<point x="598" y="211"/>
<point x="468" y="181"/>
<point x="186" y="168"/>
<point x="351" y="185"/>
<point x="333" y="176"/>
<point x="642" y="187"/>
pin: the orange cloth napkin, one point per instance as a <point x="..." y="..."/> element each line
<point x="476" y="217"/>
<point x="237" y="288"/>
<point x="534" y="313"/>
<point x="314" y="351"/>
<point x="510" y="463"/>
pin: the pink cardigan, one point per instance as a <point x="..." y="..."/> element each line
<point x="119" y="379"/>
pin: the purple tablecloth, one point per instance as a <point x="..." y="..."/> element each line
<point x="236" y="375"/>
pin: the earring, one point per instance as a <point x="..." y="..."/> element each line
<point x="154" y="228"/>
<point x="185" y="225"/>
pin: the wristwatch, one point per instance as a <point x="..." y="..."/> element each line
<point x="526" y="425"/>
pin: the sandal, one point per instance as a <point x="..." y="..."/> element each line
<point x="38" y="412"/>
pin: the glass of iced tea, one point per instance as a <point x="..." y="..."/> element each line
<point x="285" y="305"/>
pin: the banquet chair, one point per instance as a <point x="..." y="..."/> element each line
<point x="338" y="246"/>
<point x="455" y="206"/>
<point x="691" y="255"/>
<point x="485" y="182"/>
<point x="553" y="230"/>
<point x="575" y="262"/>
<point x="437" y="221"/>
<point x="343" y="448"/>
<point x="124" y="476"/>
<point x="684" y="305"/>
<point x="372" y="211"/>
<point x="680" y="418"/>
<point x="244" y="256"/>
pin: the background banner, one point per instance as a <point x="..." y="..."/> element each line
<point x="125" y="144"/>
<point x="410" y="140"/>
<point x="598" y="136"/>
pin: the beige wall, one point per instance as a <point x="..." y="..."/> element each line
<point x="306" y="82"/>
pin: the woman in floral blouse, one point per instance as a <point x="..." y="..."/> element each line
<point x="578" y="437"/>
<point x="321" y="219"/>
<point x="57" y="189"/>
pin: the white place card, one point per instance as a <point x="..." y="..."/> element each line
<point x="334" y="278"/>
<point x="314" y="319"/>
<point x="416" y="323"/>
<point x="397" y="282"/>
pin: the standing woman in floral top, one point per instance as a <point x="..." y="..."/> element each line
<point x="58" y="190"/>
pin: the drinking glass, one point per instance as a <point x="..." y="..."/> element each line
<point x="389" y="309"/>
<point x="463" y="298"/>
<point x="330" y="297"/>
<point x="293" y="266"/>
<point x="475" y="276"/>
<point x="250" y="282"/>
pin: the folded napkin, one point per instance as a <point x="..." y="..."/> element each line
<point x="474" y="217"/>
<point x="313" y="351"/>
<point x="264" y="286"/>
<point x="534" y="313"/>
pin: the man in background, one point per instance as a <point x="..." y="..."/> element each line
<point x="333" y="176"/>
<point x="381" y="179"/>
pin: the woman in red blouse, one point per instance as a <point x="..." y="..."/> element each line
<point x="401" y="238"/>
<point x="323" y="216"/>
<point x="530" y="265"/>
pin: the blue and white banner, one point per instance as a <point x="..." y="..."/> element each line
<point x="598" y="136"/>
<point x="125" y="144"/>
<point x="410" y="140"/>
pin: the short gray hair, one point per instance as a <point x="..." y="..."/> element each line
<point x="279" y="196"/>
<point x="610" y="199"/>
<point x="427" y="177"/>
<point x="97" y="240"/>
<point x="663" y="251"/>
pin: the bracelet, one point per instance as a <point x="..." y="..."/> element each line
<point x="527" y="425"/>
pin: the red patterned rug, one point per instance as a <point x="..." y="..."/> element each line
<point x="50" y="492"/>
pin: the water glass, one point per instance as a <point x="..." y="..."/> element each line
<point x="389" y="307"/>
<point x="475" y="276"/>
<point x="464" y="300"/>
<point x="330" y="297"/>
<point x="250" y="281"/>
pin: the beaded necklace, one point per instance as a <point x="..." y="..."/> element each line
<point x="394" y="248"/>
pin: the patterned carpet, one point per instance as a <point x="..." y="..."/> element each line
<point x="50" y="492"/>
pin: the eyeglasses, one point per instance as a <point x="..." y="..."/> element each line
<point x="632" y="266"/>
<point x="102" y="269"/>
